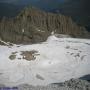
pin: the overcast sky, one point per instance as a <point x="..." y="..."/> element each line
<point x="85" y="2"/>
<point x="9" y="1"/>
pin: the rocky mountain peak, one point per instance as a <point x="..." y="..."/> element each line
<point x="37" y="26"/>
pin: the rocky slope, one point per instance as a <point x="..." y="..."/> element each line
<point x="33" y="25"/>
<point x="73" y="84"/>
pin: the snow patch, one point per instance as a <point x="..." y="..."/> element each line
<point x="56" y="63"/>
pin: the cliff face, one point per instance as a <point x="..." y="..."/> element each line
<point x="33" y="25"/>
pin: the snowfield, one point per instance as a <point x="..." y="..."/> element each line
<point x="59" y="59"/>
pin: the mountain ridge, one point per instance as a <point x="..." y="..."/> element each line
<point x="77" y="9"/>
<point x="37" y="26"/>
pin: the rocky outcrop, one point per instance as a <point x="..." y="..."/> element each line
<point x="33" y="25"/>
<point x="73" y="84"/>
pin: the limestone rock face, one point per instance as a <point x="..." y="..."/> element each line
<point x="33" y="25"/>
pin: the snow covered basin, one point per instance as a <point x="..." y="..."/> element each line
<point x="59" y="59"/>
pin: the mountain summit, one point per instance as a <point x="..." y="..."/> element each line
<point x="33" y="25"/>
